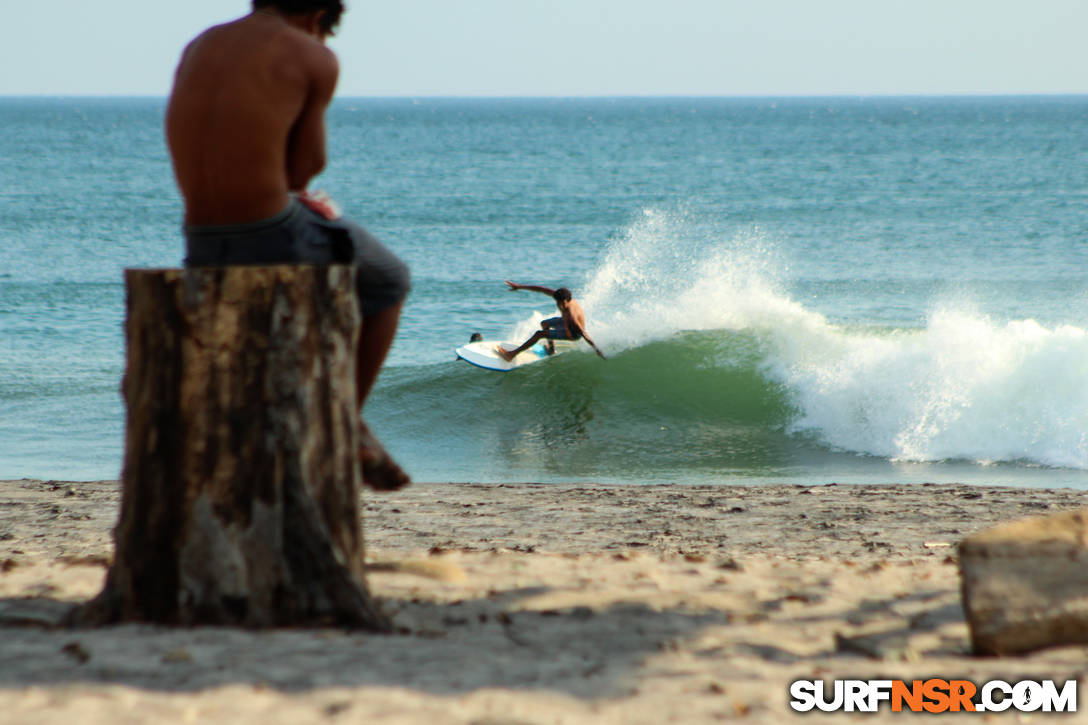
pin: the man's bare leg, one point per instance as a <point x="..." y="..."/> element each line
<point x="509" y="355"/>
<point x="380" y="471"/>
<point x="374" y="343"/>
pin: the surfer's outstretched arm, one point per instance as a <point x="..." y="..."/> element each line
<point x="579" y="330"/>
<point x="514" y="287"/>
<point x="594" y="346"/>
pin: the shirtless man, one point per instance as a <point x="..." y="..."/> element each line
<point x="570" y="325"/>
<point x="246" y="131"/>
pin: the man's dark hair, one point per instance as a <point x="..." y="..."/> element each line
<point x="561" y="295"/>
<point x="333" y="10"/>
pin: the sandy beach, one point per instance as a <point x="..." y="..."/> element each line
<point x="528" y="604"/>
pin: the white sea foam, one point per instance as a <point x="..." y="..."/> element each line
<point x="669" y="273"/>
<point x="963" y="387"/>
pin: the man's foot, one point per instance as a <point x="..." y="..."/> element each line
<point x="380" y="471"/>
<point x="504" y="353"/>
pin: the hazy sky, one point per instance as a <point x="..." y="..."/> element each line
<point x="585" y="47"/>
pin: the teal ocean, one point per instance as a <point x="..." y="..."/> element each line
<point x="804" y="290"/>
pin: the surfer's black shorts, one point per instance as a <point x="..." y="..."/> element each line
<point x="298" y="235"/>
<point x="556" y="329"/>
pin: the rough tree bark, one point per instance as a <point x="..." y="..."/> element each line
<point x="241" y="482"/>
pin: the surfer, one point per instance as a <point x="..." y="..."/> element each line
<point x="245" y="125"/>
<point x="570" y="325"/>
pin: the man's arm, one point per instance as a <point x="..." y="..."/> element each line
<point x="572" y="323"/>
<point x="593" y="345"/>
<point x="306" y="144"/>
<point x="531" y="287"/>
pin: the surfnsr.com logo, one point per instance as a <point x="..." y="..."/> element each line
<point x="933" y="695"/>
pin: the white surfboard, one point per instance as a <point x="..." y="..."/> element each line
<point x="484" y="354"/>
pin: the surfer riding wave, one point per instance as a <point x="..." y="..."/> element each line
<point x="570" y="325"/>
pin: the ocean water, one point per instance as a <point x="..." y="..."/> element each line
<point x="804" y="290"/>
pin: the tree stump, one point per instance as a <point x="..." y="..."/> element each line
<point x="241" y="481"/>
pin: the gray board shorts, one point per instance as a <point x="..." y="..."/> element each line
<point x="298" y="235"/>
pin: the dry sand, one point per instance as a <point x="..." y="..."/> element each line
<point x="545" y="604"/>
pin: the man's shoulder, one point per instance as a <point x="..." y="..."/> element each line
<point x="312" y="53"/>
<point x="247" y="31"/>
<point x="305" y="42"/>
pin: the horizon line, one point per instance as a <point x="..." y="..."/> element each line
<point x="615" y="96"/>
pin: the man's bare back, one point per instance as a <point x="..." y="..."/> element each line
<point x="573" y="313"/>
<point x="245" y="121"/>
<point x="246" y="128"/>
